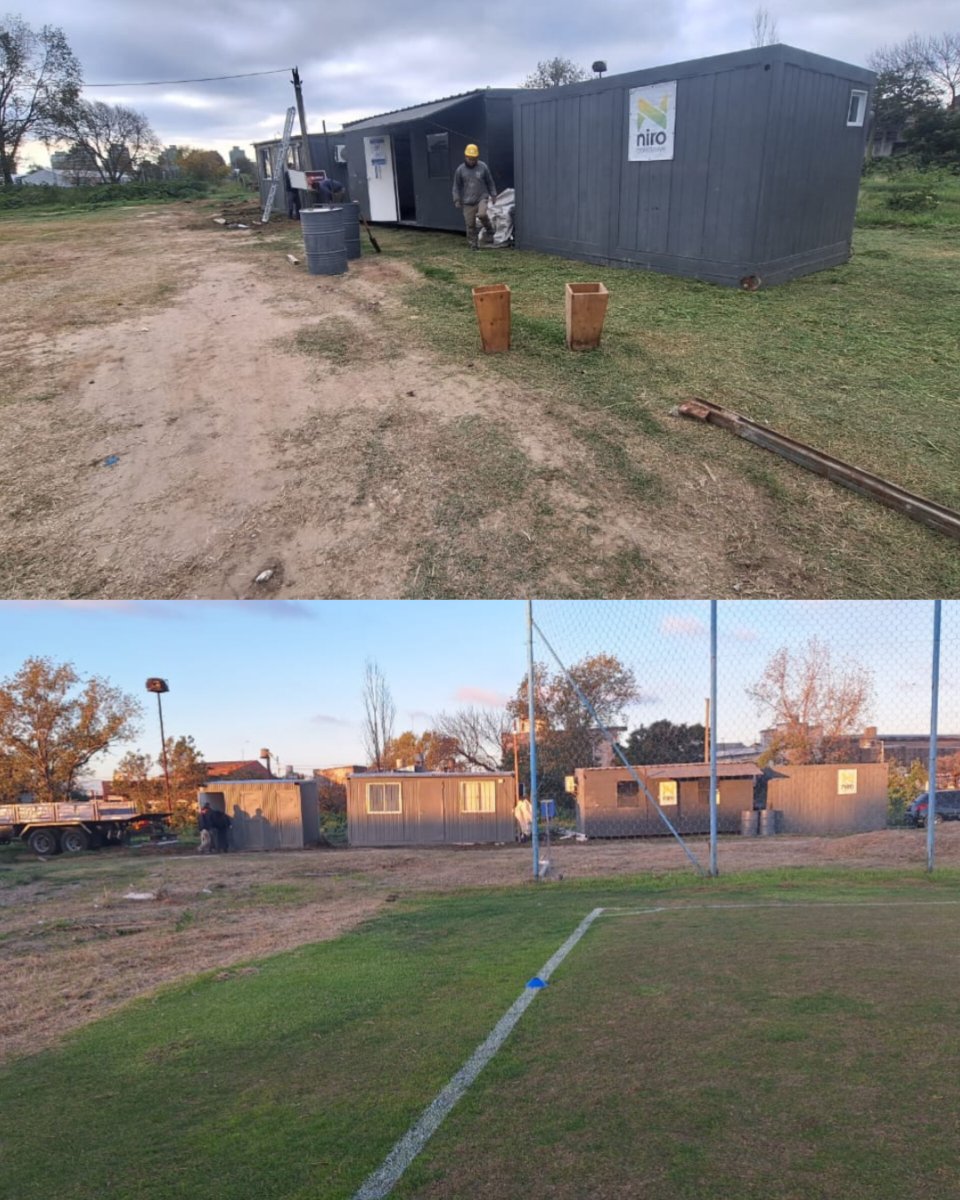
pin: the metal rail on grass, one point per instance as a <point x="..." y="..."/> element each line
<point x="927" y="512"/>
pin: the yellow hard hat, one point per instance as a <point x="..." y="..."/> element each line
<point x="471" y="151"/>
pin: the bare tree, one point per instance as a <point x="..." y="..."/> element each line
<point x="553" y="72"/>
<point x="477" y="733"/>
<point x="941" y="57"/>
<point x="765" y="32"/>
<point x="815" y="707"/>
<point x="116" y="139"/>
<point x="379" y="713"/>
<point x="39" y="79"/>
<point x="52" y="723"/>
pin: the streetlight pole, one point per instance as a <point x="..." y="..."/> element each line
<point x="159" y="686"/>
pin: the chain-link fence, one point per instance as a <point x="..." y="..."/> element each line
<point x="734" y="734"/>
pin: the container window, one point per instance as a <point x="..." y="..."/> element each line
<point x="478" y="795"/>
<point x="293" y="157"/>
<point x="266" y="164"/>
<point x="383" y="798"/>
<point x="857" y="110"/>
<point x="438" y="156"/>
<point x="628" y="793"/>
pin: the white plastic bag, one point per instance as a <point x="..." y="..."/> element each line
<point x="500" y="212"/>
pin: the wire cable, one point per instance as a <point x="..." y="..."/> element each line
<point x="206" y="79"/>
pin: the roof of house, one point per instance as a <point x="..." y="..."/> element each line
<point x="245" y="769"/>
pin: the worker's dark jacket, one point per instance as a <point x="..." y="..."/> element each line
<point x="206" y="819"/>
<point x="471" y="184"/>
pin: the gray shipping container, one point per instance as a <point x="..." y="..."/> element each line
<point x="767" y="148"/>
<point x="402" y="163"/>
<point x="268" y="814"/>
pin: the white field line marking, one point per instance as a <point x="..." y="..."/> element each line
<point x="778" y="904"/>
<point x="383" y="1180"/>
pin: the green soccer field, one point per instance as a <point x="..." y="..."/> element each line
<point x="786" y="1035"/>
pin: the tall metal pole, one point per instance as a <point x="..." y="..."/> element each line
<point x="531" y="708"/>
<point x="163" y="751"/>
<point x="706" y="731"/>
<point x="306" y="163"/>
<point x="932" y="761"/>
<point x="713" y="738"/>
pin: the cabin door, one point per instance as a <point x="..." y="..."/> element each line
<point x="381" y="183"/>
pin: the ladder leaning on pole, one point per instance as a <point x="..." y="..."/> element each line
<point x="279" y="161"/>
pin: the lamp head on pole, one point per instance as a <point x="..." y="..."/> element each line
<point x="157" y="685"/>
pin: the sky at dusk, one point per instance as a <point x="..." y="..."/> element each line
<point x="368" y="57"/>
<point x="287" y="675"/>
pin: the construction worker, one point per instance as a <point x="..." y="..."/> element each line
<point x="473" y="188"/>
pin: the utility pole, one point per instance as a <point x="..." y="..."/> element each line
<point x="306" y="163"/>
<point x="706" y="733"/>
<point x="158" y="687"/>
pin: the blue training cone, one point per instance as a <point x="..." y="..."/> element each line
<point x="537" y="982"/>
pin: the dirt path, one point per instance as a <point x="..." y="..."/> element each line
<point x="186" y="411"/>
<point x="75" y="947"/>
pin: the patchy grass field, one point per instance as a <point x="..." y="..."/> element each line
<point x="807" y="1048"/>
<point x="348" y="434"/>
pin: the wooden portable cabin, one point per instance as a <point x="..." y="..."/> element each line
<point x="274" y="814"/>
<point x="741" y="169"/>
<point x="610" y="802"/>
<point x="425" y="808"/>
<point x="401" y="164"/>
<point x="328" y="153"/>
<point x="828" y="798"/>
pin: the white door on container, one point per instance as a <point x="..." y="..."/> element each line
<point x="381" y="188"/>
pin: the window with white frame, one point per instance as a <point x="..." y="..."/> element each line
<point x="383" y="798"/>
<point x="266" y="164"/>
<point x="857" y="109"/>
<point x="478" y="795"/>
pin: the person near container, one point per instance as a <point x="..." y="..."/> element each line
<point x="473" y="189"/>
<point x="331" y="191"/>
<point x="205" y="823"/>
<point x="221" y="830"/>
<point x="523" y="815"/>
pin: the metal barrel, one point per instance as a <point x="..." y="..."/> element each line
<point x="748" y="823"/>
<point x="351" y="228"/>
<point x="769" y="822"/>
<point x="323" y="242"/>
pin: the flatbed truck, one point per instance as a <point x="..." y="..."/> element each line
<point x="75" y="826"/>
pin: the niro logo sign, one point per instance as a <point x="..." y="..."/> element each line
<point x="651" y="118"/>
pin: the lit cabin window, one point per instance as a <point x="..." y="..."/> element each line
<point x="478" y="795"/>
<point x="383" y="798"/>
<point x="857" y="109"/>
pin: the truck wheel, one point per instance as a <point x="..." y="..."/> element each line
<point x="74" y="841"/>
<point x="44" y="842"/>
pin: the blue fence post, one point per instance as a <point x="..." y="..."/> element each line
<point x="531" y="708"/>
<point x="932" y="761"/>
<point x="713" y="738"/>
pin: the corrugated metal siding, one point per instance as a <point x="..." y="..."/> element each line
<point x="272" y="815"/>
<point x="599" y="816"/>
<point x="762" y="180"/>
<point x="807" y="797"/>
<point x="431" y="814"/>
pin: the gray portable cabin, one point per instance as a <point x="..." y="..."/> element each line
<point x="742" y="168"/>
<point x="829" y="798"/>
<point x="268" y="814"/>
<point x="423" y="808"/>
<point x="328" y="153"/>
<point x="401" y="164"/>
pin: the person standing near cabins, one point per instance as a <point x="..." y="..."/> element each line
<point x="221" y="830"/>
<point x="206" y="828"/>
<point x="523" y="815"/>
<point x="473" y="189"/>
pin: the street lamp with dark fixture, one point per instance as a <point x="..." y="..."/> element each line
<point x="159" y="686"/>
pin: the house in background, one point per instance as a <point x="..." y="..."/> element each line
<point x="249" y="768"/>
<point x="426" y="808"/>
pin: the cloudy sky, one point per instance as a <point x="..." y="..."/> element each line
<point x="288" y="675"/>
<point x="362" y="57"/>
